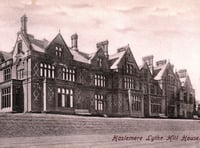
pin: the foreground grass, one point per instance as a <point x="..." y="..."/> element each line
<point x="30" y="125"/>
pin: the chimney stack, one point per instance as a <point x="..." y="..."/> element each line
<point x="24" y="20"/>
<point x="149" y="61"/>
<point x="74" y="41"/>
<point x="161" y="62"/>
<point x="182" y="73"/>
<point x="104" y="46"/>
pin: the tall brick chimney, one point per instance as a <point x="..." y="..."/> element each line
<point x="104" y="46"/>
<point x="24" y="20"/>
<point x="74" y="41"/>
<point x="149" y="61"/>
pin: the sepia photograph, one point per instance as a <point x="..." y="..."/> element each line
<point x="99" y="74"/>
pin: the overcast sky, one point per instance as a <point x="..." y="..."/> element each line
<point x="168" y="29"/>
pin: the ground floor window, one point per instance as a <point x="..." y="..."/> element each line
<point x="5" y="97"/>
<point x="136" y="103"/>
<point x="99" y="102"/>
<point x="155" y="108"/>
<point x="65" y="97"/>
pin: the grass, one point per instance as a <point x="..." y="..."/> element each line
<point x="20" y="125"/>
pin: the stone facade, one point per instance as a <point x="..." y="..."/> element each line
<point x="42" y="76"/>
<point x="186" y="103"/>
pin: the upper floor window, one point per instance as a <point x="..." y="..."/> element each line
<point x="47" y="70"/>
<point x="99" y="80"/>
<point x="58" y="51"/>
<point x="20" y="74"/>
<point x="100" y="62"/>
<point x="129" y="69"/>
<point x="99" y="105"/>
<point x="7" y="74"/>
<point x="68" y="74"/>
<point x="129" y="83"/>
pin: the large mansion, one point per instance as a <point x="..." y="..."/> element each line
<point x="42" y="76"/>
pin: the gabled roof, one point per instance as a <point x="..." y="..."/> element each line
<point x="79" y="56"/>
<point x="116" y="58"/>
<point x="60" y="40"/>
<point x="144" y="66"/>
<point x="159" y="71"/>
<point x="5" y="55"/>
<point x="38" y="45"/>
<point x="140" y="66"/>
<point x="92" y="55"/>
<point x="32" y="43"/>
<point x="41" y="45"/>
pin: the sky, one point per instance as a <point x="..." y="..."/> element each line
<point x="167" y="29"/>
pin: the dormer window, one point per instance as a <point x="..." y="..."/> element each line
<point x="58" y="51"/>
<point x="100" y="62"/>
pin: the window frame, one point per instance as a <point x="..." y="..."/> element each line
<point x="7" y="74"/>
<point x="6" y="97"/>
<point x="100" y="80"/>
<point x="59" y="51"/>
<point x="69" y="74"/>
<point x="99" y="102"/>
<point x="47" y="70"/>
<point x="65" y="97"/>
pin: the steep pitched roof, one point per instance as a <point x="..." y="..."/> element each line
<point x="140" y="66"/>
<point x="144" y="66"/>
<point x="41" y="45"/>
<point x="93" y="55"/>
<point x="115" y="59"/>
<point x="59" y="40"/>
<point x="5" y="55"/>
<point x="79" y="56"/>
<point x="38" y="45"/>
<point x="159" y="71"/>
